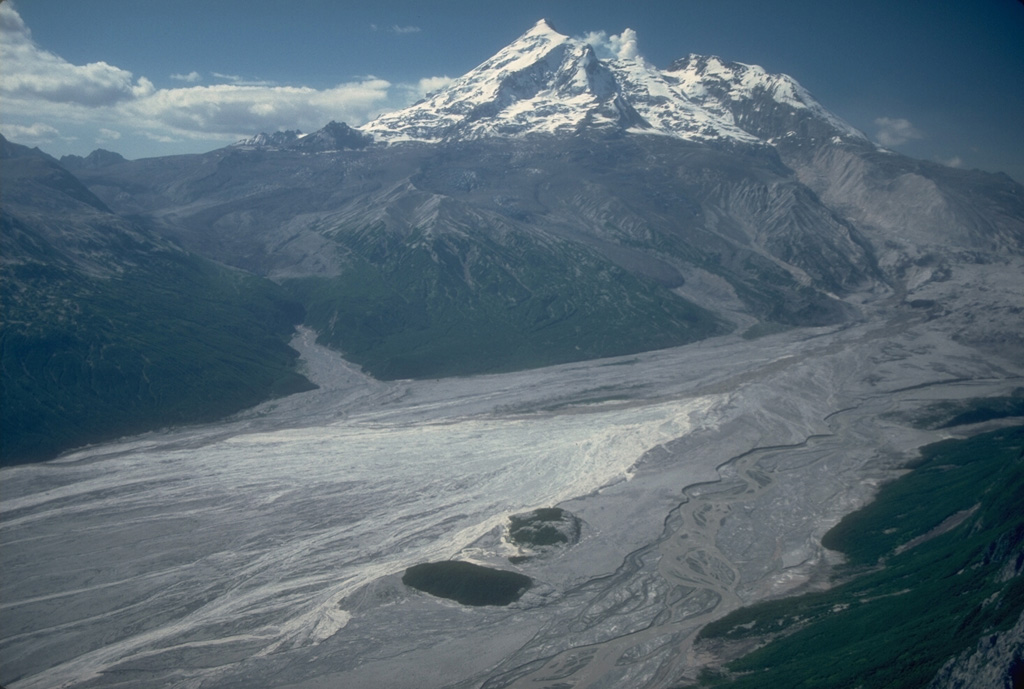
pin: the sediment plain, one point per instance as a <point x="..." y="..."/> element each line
<point x="268" y="551"/>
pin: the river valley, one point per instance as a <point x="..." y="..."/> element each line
<point x="268" y="550"/>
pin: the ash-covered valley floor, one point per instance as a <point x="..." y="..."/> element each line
<point x="267" y="551"/>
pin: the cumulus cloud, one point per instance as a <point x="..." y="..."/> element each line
<point x="616" y="47"/>
<point x="231" y="109"/>
<point x="404" y="95"/>
<point x="104" y="102"/>
<point x="37" y="132"/>
<point x="35" y="74"/>
<point x="894" y="131"/>
<point x="955" y="161"/>
<point x="431" y="84"/>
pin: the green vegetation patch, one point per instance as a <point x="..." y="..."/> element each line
<point x="543" y="527"/>
<point x="179" y="340"/>
<point x="934" y="563"/>
<point x="975" y="410"/>
<point x="467" y="583"/>
<point x="431" y="307"/>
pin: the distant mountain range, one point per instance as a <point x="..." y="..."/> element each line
<point x="546" y="207"/>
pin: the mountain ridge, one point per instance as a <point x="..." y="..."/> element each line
<point x="550" y="206"/>
<point x="548" y="83"/>
<point x="109" y="329"/>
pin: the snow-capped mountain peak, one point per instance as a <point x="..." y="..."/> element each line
<point x="547" y="83"/>
<point x="334" y="136"/>
<point x="543" y="82"/>
<point x="536" y="44"/>
<point x="726" y="86"/>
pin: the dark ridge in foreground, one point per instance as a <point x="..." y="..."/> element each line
<point x="466" y="583"/>
<point x="109" y="330"/>
<point x="935" y="568"/>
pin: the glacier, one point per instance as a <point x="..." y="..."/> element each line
<point x="548" y="83"/>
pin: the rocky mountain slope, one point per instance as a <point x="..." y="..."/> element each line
<point x="550" y="206"/>
<point x="108" y="329"/>
<point x="548" y="83"/>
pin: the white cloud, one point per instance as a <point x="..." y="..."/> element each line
<point x="38" y="132"/>
<point x="192" y="77"/>
<point x="894" y="131"/>
<point x="160" y="138"/>
<point x="31" y="73"/>
<point x="395" y="28"/>
<point x="101" y="102"/>
<point x="430" y="84"/>
<point x="11" y="22"/>
<point x="241" y="81"/>
<point x="403" y="95"/>
<point x="228" y="112"/>
<point x="616" y="47"/>
<point x="625" y="45"/>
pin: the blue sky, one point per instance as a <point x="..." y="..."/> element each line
<point x="938" y="79"/>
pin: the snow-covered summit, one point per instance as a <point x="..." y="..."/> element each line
<point x="543" y="82"/>
<point x="334" y="136"/>
<point x="279" y="139"/>
<point x="547" y="83"/>
<point x="721" y="86"/>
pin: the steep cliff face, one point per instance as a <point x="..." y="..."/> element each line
<point x="996" y="663"/>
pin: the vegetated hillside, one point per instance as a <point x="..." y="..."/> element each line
<point x="108" y="330"/>
<point x="933" y="564"/>
<point x="494" y="255"/>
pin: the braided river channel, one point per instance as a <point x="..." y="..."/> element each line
<point x="268" y="550"/>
